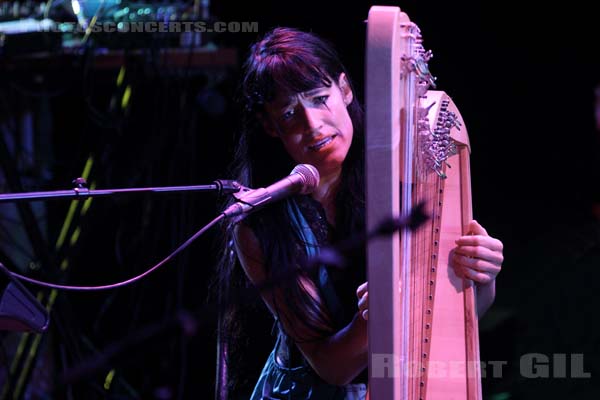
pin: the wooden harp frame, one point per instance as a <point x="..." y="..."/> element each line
<point x="423" y="330"/>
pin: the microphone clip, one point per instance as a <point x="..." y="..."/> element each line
<point x="247" y="200"/>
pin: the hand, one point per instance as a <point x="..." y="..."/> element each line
<point x="363" y="300"/>
<point x="478" y="256"/>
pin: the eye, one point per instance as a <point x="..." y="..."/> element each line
<point x="320" y="99"/>
<point x="287" y="115"/>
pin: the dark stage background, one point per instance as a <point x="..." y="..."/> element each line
<point x="523" y="78"/>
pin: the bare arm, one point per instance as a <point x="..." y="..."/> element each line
<point x="338" y="358"/>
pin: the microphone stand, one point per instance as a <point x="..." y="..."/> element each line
<point x="81" y="192"/>
<point x="19" y="310"/>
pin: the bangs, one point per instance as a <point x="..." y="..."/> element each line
<point x="287" y="62"/>
<point x="285" y="74"/>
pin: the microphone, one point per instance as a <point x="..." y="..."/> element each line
<point x="303" y="179"/>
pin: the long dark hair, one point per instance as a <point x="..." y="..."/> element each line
<point x="291" y="61"/>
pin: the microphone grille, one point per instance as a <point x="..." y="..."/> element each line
<point x="310" y="177"/>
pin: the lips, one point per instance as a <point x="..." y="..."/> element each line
<point x="322" y="143"/>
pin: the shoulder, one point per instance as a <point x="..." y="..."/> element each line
<point x="249" y="252"/>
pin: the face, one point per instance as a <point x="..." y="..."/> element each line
<point x="314" y="126"/>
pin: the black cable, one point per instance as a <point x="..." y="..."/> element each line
<point x="129" y="281"/>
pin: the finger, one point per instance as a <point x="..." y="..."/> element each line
<point x="362" y="289"/>
<point x="476" y="229"/>
<point x="480" y="240"/>
<point x="365" y="315"/>
<point x="476" y="264"/>
<point x="480" y="252"/>
<point x="475" y="276"/>
<point x="363" y="303"/>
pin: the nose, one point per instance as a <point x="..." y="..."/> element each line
<point x="312" y="120"/>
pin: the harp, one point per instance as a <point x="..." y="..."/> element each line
<point x="423" y="331"/>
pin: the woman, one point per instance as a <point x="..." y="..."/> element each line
<point x="300" y="108"/>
